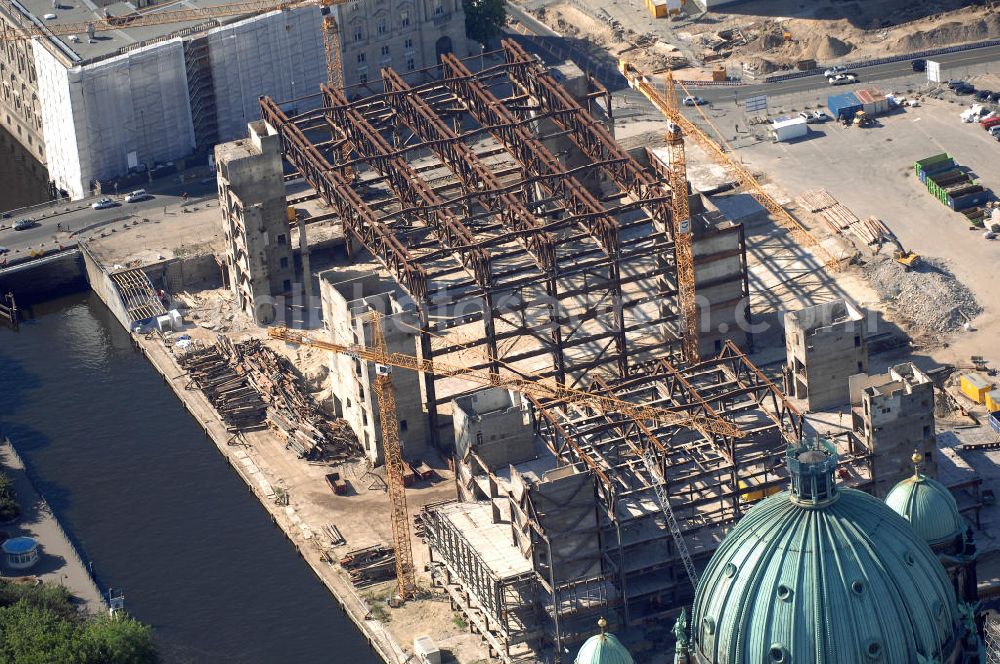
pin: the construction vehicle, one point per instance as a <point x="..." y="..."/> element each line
<point x="744" y="178"/>
<point x="545" y="390"/>
<point x="863" y="119"/>
<point x="908" y="259"/>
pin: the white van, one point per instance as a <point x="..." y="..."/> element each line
<point x="136" y="196"/>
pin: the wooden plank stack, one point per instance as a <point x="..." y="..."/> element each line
<point x="292" y="412"/>
<point x="370" y="565"/>
<point x="237" y="402"/>
<point x="251" y="386"/>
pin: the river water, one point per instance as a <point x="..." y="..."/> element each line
<point x="152" y="504"/>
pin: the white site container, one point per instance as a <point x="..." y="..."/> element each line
<point x="785" y="129"/>
<point x="426" y="650"/>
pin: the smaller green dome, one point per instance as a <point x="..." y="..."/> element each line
<point x="929" y="507"/>
<point x="603" y="648"/>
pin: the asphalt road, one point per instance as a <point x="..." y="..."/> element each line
<point x="542" y="40"/>
<point x="58" y="227"/>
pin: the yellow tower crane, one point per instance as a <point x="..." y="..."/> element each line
<point x="683" y="240"/>
<point x="406" y="582"/>
<point x="667" y="105"/>
<point x="545" y="390"/>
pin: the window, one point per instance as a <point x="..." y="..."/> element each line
<point x="283" y="262"/>
<point x="410" y="65"/>
<point x="385" y="50"/>
<point x="927" y="431"/>
<point x="286" y="285"/>
<point x="359" y="34"/>
<point x="857" y="341"/>
<point x="402" y="426"/>
<point x="282" y="239"/>
<point x="438" y="8"/>
<point x="363" y="77"/>
<point x="404" y="19"/>
<point x="381" y="28"/>
<point x="860" y="367"/>
<point x="361" y="58"/>
<point x="408" y="44"/>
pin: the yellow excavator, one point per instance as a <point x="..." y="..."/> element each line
<point x="908" y="259"/>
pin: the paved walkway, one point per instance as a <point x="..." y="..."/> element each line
<point x="60" y="563"/>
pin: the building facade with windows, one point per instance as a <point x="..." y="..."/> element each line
<point x="406" y="35"/>
<point x="95" y="108"/>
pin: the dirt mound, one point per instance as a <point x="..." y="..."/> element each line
<point x="831" y="47"/>
<point x="953" y="32"/>
<point x="930" y="298"/>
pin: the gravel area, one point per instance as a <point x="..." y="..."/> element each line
<point x="930" y="297"/>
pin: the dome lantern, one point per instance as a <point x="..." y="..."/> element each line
<point x="811" y="467"/>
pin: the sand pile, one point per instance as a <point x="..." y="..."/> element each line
<point x="831" y="47"/>
<point x="930" y="298"/>
<point x="952" y="32"/>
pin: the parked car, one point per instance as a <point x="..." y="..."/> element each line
<point x="136" y="196"/>
<point x="842" y="79"/>
<point x="103" y="204"/>
<point x="983" y="95"/>
<point x="23" y="224"/>
<point x="954" y="83"/>
<point x="833" y="71"/>
<point x="820" y="116"/>
<point x="919" y="64"/>
<point x="995" y="97"/>
<point x="964" y="88"/>
<point x="694" y="101"/>
<point x="4" y="250"/>
<point x="994" y="130"/>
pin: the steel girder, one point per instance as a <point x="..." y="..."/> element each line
<point x="537" y="160"/>
<point x="411" y="189"/>
<point x="358" y="219"/>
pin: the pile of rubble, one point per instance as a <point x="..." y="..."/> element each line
<point x="292" y="412"/>
<point x="930" y="298"/>
<point x="250" y="385"/>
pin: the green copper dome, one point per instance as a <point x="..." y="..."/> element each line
<point x="822" y="574"/>
<point x="603" y="648"/>
<point x="929" y="507"/>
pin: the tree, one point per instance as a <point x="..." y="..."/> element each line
<point x="118" y="640"/>
<point x="484" y="19"/>
<point x="40" y="625"/>
<point x="9" y="509"/>
<point x="34" y="635"/>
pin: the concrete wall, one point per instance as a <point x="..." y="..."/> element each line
<point x="893" y="415"/>
<point x="825" y="345"/>
<point x="102" y="119"/>
<point x="347" y="298"/>
<point x="193" y="273"/>
<point x="721" y="287"/>
<point x="105" y="289"/>
<point x="496" y="424"/>
<point x="565" y="504"/>
<point x="255" y="222"/>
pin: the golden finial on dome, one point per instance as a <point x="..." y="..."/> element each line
<point x="603" y="624"/>
<point x="916" y="459"/>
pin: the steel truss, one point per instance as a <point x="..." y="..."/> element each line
<point x="481" y="224"/>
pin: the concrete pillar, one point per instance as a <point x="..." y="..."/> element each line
<point x="306" y="271"/>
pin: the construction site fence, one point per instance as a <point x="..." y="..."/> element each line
<point x="872" y="62"/>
